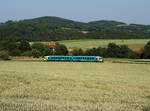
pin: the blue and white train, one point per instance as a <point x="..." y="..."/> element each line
<point x="74" y="58"/>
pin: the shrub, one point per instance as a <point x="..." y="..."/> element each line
<point x="24" y="46"/>
<point x="77" y="52"/>
<point x="61" y="49"/>
<point x="27" y="53"/>
<point x="15" y="52"/>
<point x="38" y="46"/>
<point x="101" y="52"/>
<point x="36" y="53"/>
<point x="47" y="52"/>
<point x="146" y="51"/>
<point x="133" y="55"/>
<point x="4" y="55"/>
<point x="91" y="52"/>
<point x="112" y="50"/>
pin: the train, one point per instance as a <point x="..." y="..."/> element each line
<point x="74" y="58"/>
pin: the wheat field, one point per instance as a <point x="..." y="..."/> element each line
<point x="135" y="44"/>
<point x="64" y="86"/>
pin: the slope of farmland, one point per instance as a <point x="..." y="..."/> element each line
<point x="134" y="44"/>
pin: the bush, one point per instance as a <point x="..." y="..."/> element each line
<point x="38" y="46"/>
<point x="91" y="52"/>
<point x="146" y="51"/>
<point x="101" y="52"/>
<point x="47" y="52"/>
<point x="36" y="53"/>
<point x="133" y="55"/>
<point x="77" y="52"/>
<point x="122" y="51"/>
<point x="112" y="50"/>
<point x="4" y="56"/>
<point x="15" y="52"/>
<point x="61" y="49"/>
<point x="27" y="53"/>
<point x="24" y="46"/>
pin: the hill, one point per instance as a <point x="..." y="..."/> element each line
<point x="55" y="28"/>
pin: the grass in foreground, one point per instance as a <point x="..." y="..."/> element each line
<point x="53" y="86"/>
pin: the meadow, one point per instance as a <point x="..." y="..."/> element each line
<point x="135" y="44"/>
<point x="64" y="86"/>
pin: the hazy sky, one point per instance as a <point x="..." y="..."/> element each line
<point x="130" y="11"/>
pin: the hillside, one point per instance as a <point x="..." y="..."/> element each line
<point x="55" y="28"/>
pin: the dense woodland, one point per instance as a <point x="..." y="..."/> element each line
<point x="55" y="28"/>
<point x="24" y="48"/>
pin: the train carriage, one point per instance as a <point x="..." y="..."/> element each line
<point x="75" y="58"/>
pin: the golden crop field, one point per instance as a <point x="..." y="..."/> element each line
<point x="64" y="86"/>
<point x="135" y="44"/>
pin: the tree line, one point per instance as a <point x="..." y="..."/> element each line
<point x="36" y="50"/>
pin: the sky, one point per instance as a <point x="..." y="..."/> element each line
<point x="129" y="11"/>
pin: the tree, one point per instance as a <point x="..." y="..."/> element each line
<point x="12" y="47"/>
<point x="61" y="49"/>
<point x="147" y="51"/>
<point x="36" y="53"/>
<point x="24" y="45"/>
<point x="124" y="51"/>
<point x="15" y="52"/>
<point x="112" y="50"/>
<point x="38" y="46"/>
<point x="91" y="52"/>
<point x="77" y="52"/>
<point x="4" y="55"/>
<point x="47" y="52"/>
<point x="101" y="52"/>
<point x="27" y="54"/>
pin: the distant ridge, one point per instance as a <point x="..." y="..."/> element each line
<point x="56" y="28"/>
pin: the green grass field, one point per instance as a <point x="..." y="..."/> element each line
<point x="135" y="44"/>
<point x="62" y="86"/>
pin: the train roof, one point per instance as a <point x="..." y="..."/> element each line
<point x="73" y="56"/>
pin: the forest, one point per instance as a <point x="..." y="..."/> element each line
<point x="55" y="28"/>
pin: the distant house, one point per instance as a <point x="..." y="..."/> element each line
<point x="52" y="45"/>
<point x="85" y="32"/>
